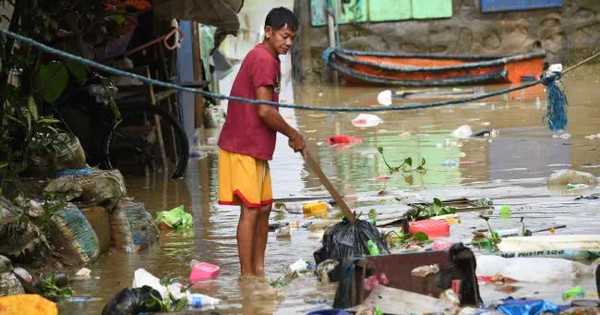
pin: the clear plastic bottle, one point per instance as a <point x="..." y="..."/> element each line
<point x="197" y="300"/>
<point x="486" y="202"/>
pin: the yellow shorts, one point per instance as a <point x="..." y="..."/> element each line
<point x="243" y="178"/>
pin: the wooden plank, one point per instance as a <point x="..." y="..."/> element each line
<point x="389" y="10"/>
<point x="431" y="9"/>
<point x="518" y="5"/>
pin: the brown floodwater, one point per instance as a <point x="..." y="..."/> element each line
<point x="511" y="168"/>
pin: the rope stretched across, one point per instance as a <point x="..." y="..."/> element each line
<point x="91" y="63"/>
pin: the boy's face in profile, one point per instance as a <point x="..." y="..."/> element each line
<point x="281" y="40"/>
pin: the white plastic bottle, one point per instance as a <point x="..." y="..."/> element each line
<point x="197" y="300"/>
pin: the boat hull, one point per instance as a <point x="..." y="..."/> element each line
<point x="434" y="70"/>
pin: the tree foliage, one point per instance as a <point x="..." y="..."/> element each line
<point x="29" y="78"/>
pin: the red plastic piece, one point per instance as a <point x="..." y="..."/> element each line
<point x="342" y="140"/>
<point x="433" y="228"/>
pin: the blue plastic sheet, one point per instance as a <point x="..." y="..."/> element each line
<point x="76" y="171"/>
<point x="511" y="306"/>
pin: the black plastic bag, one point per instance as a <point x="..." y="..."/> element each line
<point x="346" y="240"/>
<point x="132" y="301"/>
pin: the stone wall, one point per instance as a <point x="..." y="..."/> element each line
<point x="568" y="34"/>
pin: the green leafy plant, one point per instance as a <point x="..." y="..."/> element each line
<point x="170" y="304"/>
<point x="279" y="216"/>
<point x="372" y="214"/>
<point x="166" y="305"/>
<point x="406" y="166"/>
<point x="286" y="279"/>
<point x="425" y="211"/>
<point x="400" y="240"/>
<point x="51" y="289"/>
<point x="524" y="231"/>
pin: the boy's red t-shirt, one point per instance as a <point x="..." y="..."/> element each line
<point x="244" y="131"/>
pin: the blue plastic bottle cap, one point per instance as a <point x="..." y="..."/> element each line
<point x="196" y="302"/>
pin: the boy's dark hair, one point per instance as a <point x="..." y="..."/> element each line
<point x="278" y="17"/>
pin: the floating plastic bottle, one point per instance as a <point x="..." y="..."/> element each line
<point x="576" y="292"/>
<point x="197" y="300"/>
<point x="373" y="250"/>
<point x="449" y="163"/>
<point x="485" y="202"/>
<point x="577" y="186"/>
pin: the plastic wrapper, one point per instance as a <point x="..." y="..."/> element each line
<point x="175" y="218"/>
<point x="27" y="304"/>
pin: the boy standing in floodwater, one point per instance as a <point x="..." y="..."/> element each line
<point x="247" y="140"/>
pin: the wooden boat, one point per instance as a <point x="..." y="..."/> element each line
<point x="406" y="69"/>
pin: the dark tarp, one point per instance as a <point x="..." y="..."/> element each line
<point x="219" y="13"/>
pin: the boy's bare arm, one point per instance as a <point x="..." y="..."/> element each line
<point x="274" y="120"/>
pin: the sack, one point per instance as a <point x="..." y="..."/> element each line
<point x="132" y="301"/>
<point x="27" y="304"/>
<point x="9" y="284"/>
<point x="69" y="154"/>
<point x="74" y="237"/>
<point x="346" y="240"/>
<point x="101" y="188"/>
<point x="132" y="227"/>
<point x="175" y="218"/>
<point x="19" y="237"/>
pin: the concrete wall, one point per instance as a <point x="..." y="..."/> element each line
<point x="568" y="34"/>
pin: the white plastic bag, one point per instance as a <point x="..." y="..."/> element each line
<point x="299" y="266"/>
<point x="141" y="277"/>
<point x="366" y="120"/>
<point x="463" y="132"/>
<point x="541" y="270"/>
<point x="385" y="98"/>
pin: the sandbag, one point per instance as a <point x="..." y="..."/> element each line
<point x="69" y="154"/>
<point x="132" y="301"/>
<point x="19" y="236"/>
<point x="9" y="283"/>
<point x="73" y="237"/>
<point x="132" y="227"/>
<point x="100" y="221"/>
<point x="101" y="188"/>
<point x="27" y="304"/>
